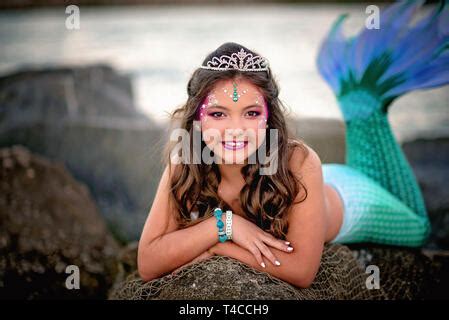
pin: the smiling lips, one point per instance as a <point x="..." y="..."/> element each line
<point x="234" y="145"/>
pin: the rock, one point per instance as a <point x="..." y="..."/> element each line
<point x="127" y="263"/>
<point x="405" y="273"/>
<point x="85" y="118"/>
<point x="325" y="136"/>
<point x="68" y="92"/>
<point x="339" y="277"/>
<point x="429" y="159"/>
<point x="440" y="273"/>
<point x="48" y="221"/>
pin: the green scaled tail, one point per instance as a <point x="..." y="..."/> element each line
<point x="372" y="149"/>
<point x="382" y="199"/>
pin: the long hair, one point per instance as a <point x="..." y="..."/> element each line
<point x="265" y="199"/>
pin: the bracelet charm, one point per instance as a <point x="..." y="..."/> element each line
<point x="221" y="233"/>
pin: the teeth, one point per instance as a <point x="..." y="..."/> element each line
<point x="235" y="144"/>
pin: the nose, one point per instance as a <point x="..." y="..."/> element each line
<point x="235" y="128"/>
<point x="236" y="124"/>
<point x="236" y="131"/>
<point x="232" y="132"/>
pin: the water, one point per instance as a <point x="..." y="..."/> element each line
<point x="160" y="46"/>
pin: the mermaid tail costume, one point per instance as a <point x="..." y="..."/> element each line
<point x="381" y="197"/>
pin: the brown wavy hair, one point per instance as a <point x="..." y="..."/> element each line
<point x="265" y="199"/>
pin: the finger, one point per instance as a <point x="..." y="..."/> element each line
<point x="267" y="253"/>
<point x="276" y="243"/>
<point x="256" y="253"/>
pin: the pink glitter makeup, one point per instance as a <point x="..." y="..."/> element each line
<point x="211" y="100"/>
<point x="201" y="111"/>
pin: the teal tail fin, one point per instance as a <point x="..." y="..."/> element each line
<point x="369" y="71"/>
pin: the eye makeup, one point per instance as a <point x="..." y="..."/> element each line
<point x="211" y="101"/>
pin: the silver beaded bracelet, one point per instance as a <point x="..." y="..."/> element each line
<point x="229" y="224"/>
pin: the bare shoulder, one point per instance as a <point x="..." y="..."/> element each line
<point x="302" y="157"/>
<point x="162" y="215"/>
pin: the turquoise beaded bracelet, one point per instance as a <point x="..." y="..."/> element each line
<point x="222" y="237"/>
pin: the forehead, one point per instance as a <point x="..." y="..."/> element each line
<point x="223" y="92"/>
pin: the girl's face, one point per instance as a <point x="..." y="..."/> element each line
<point x="233" y="120"/>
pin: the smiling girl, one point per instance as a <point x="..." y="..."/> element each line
<point x="277" y="220"/>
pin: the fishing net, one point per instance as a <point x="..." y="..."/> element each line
<point x="405" y="273"/>
<point x="340" y="276"/>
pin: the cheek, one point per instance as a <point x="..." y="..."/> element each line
<point x="209" y="123"/>
<point x="211" y="133"/>
<point x="263" y="120"/>
<point x="255" y="131"/>
<point x="261" y="123"/>
<point x="261" y="133"/>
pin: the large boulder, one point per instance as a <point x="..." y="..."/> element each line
<point x="429" y="159"/>
<point x="85" y="117"/>
<point x="48" y="221"/>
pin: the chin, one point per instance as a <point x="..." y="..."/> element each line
<point x="232" y="160"/>
<point x="231" y="157"/>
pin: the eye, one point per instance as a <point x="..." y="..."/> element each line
<point x="253" y="113"/>
<point x="216" y="114"/>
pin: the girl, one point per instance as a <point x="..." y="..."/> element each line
<point x="283" y="216"/>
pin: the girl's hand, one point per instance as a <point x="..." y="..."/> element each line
<point x="205" y="255"/>
<point x="249" y="236"/>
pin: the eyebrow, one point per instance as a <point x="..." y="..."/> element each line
<point x="247" y="107"/>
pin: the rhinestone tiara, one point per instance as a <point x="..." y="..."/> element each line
<point x="242" y="61"/>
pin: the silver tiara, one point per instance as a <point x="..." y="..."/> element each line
<point x="242" y="61"/>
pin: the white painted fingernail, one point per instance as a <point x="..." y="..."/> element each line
<point x="277" y="263"/>
<point x="289" y="248"/>
<point x="287" y="242"/>
<point x="263" y="264"/>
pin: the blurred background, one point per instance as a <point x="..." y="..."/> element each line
<point x="84" y="117"/>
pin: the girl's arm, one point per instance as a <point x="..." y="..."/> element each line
<point x="306" y="230"/>
<point x="163" y="248"/>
